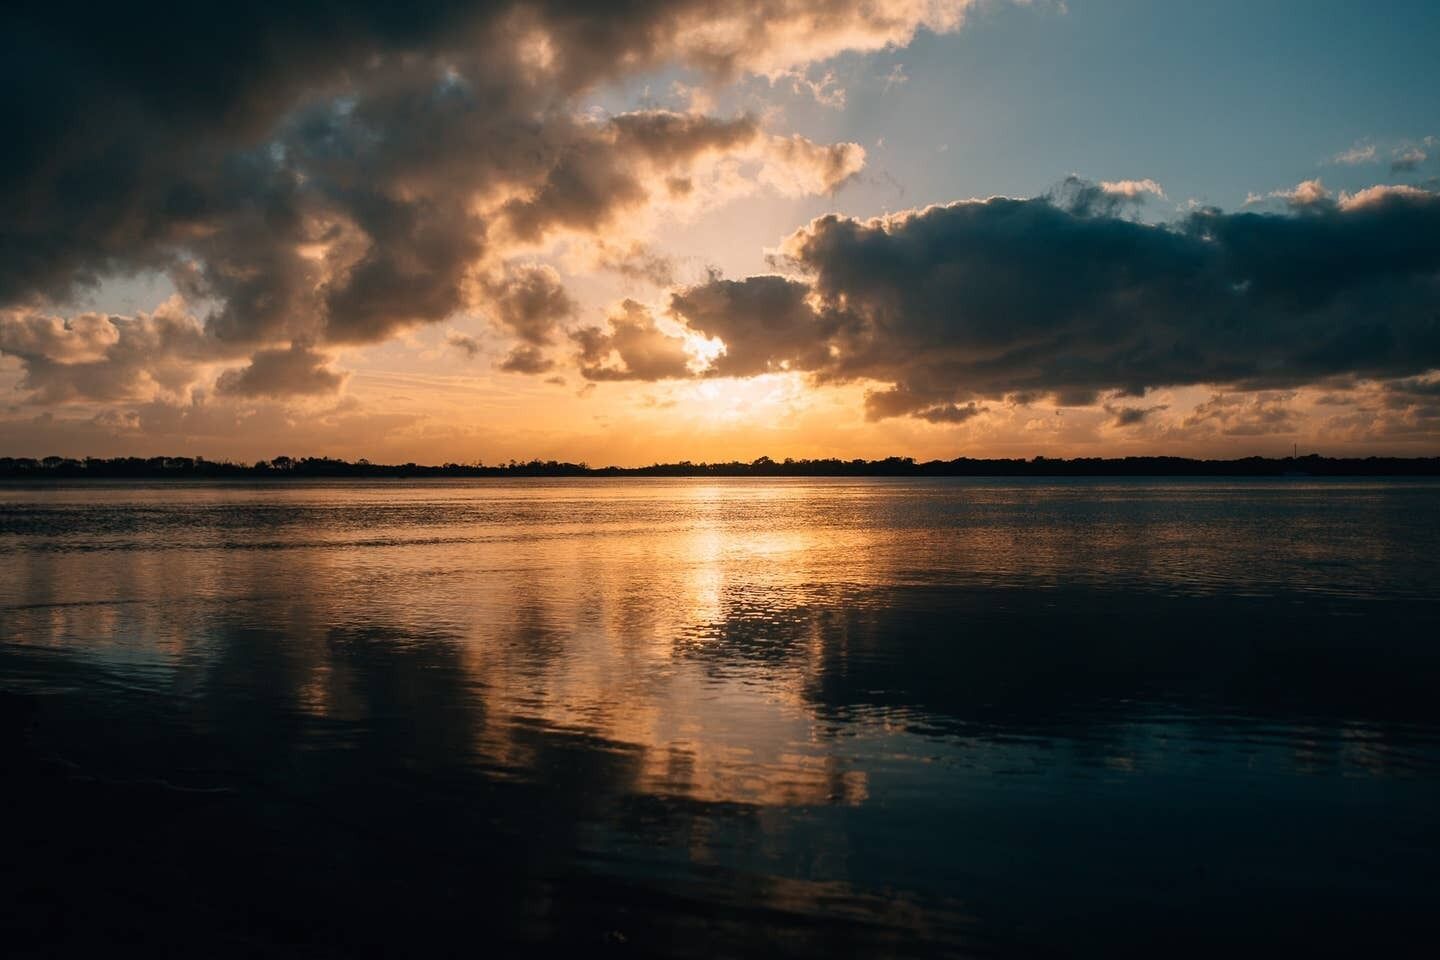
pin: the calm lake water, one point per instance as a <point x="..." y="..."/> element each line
<point x="725" y="718"/>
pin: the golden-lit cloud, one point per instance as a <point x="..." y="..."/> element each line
<point x="94" y="357"/>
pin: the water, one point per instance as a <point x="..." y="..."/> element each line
<point x="740" y="717"/>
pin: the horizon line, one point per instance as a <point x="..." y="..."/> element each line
<point x="281" y="467"/>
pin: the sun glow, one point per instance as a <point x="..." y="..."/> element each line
<point x="762" y="400"/>
<point x="704" y="350"/>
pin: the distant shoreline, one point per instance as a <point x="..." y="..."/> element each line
<point x="287" y="468"/>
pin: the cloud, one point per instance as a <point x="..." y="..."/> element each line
<point x="1382" y="194"/>
<point x="1123" y="416"/>
<point x="796" y="166"/>
<point x="83" y="339"/>
<point x="635" y="261"/>
<point x="1403" y="159"/>
<point x="414" y="268"/>
<point x="636" y="161"/>
<point x="1308" y="193"/>
<point x="951" y="412"/>
<point x="826" y="91"/>
<point x="1428" y="387"/>
<point x="1132" y="189"/>
<point x="612" y="167"/>
<point x="897" y="401"/>
<point x="632" y="348"/>
<point x="526" y="359"/>
<point x="1360" y="153"/>
<point x="1411" y="406"/>
<point x="530" y="302"/>
<point x="308" y="173"/>
<point x="766" y="323"/>
<point x="294" y="371"/>
<point x="1105" y="198"/>
<point x="1242" y="415"/>
<point x="97" y="358"/>
<point x="773" y="38"/>
<point x="1002" y="297"/>
<point x="1407" y="159"/>
<point x="466" y="344"/>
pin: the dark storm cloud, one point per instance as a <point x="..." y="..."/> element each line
<point x="413" y="271"/>
<point x="126" y="107"/>
<point x="1031" y="297"/>
<point x="336" y="173"/>
<point x="295" y="371"/>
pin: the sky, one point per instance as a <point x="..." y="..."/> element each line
<point x="643" y="231"/>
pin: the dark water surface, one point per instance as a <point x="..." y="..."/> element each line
<point x="734" y="718"/>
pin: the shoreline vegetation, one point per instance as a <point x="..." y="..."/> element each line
<point x="293" y="468"/>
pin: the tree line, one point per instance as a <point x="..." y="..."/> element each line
<point x="285" y="467"/>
